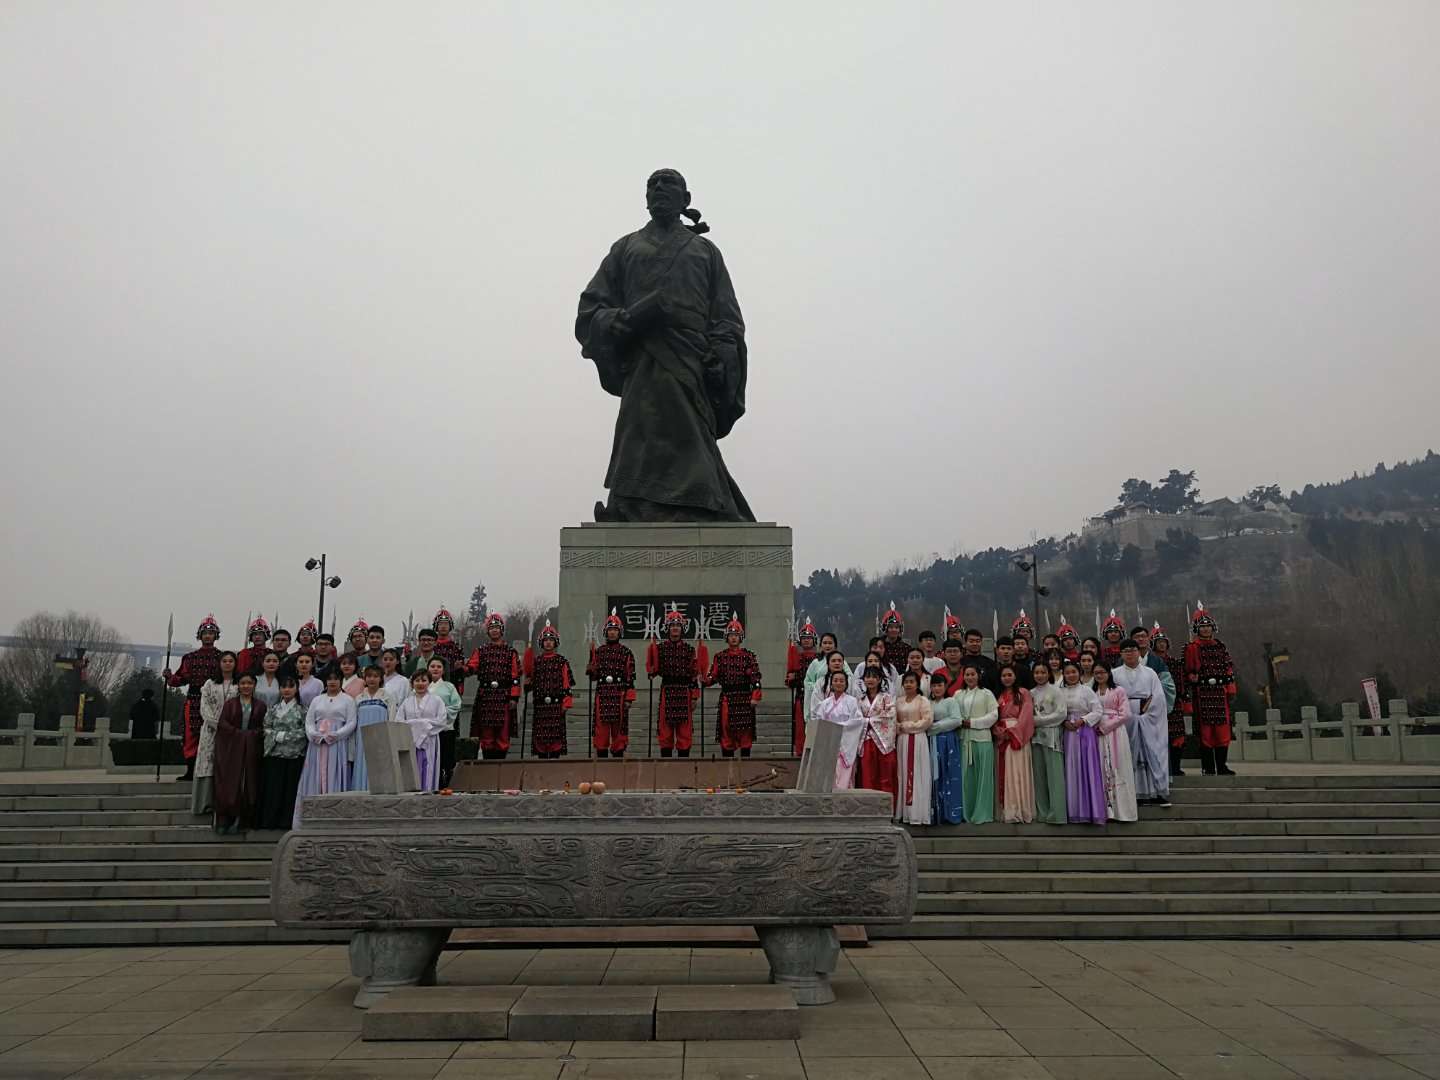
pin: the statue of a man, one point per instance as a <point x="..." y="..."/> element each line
<point x="662" y="324"/>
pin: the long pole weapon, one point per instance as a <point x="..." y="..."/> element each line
<point x="164" y="699"/>
<point x="650" y="732"/>
<point x="529" y="640"/>
<point x="590" y="694"/>
<point x="703" y="676"/>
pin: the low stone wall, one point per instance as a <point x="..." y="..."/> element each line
<point x="1397" y="739"/>
<point x="25" y="747"/>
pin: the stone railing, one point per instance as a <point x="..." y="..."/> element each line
<point x="24" y="747"/>
<point x="1396" y="739"/>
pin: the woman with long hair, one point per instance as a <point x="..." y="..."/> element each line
<point x="1116" y="762"/>
<point x="267" y="680"/>
<point x="213" y="696"/>
<point x="424" y="713"/>
<point x="238" y="738"/>
<point x="978" y="712"/>
<point x="877" y="765"/>
<point x="283" y="757"/>
<point x="350" y="680"/>
<point x="1084" y="779"/>
<point x="373" y="705"/>
<point x="913" y="717"/>
<point x="1047" y="760"/>
<point x="839" y="706"/>
<point x="947" y="761"/>
<point x="329" y="724"/>
<point x="1014" y="784"/>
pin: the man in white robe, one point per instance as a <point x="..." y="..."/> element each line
<point x="1148" y="725"/>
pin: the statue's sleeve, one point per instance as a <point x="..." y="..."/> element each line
<point x="725" y="329"/>
<point x="601" y="301"/>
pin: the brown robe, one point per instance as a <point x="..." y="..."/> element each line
<point x="237" y="760"/>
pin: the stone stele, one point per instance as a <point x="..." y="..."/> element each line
<point x="403" y="870"/>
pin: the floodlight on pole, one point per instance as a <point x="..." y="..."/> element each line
<point x="331" y="582"/>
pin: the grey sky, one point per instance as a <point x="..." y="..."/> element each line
<point x="278" y="277"/>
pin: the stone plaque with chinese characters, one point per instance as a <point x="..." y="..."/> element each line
<point x="643" y="615"/>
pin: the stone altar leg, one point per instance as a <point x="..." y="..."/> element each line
<point x="388" y="959"/>
<point x="802" y="958"/>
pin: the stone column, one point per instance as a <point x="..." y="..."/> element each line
<point x="386" y="960"/>
<point x="802" y="958"/>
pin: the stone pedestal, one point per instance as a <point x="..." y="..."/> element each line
<point x="652" y="565"/>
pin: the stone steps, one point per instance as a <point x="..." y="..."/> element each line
<point x="1185" y="903"/>
<point x="145" y="909"/>
<point x="1172" y="883"/>
<point x="1110" y="926"/>
<point x="934" y="838"/>
<point x="1177" y="864"/>
<point x="149" y="889"/>
<point x="957" y="849"/>
<point x="210" y="932"/>
<point x="192" y="870"/>
<point x="71" y="853"/>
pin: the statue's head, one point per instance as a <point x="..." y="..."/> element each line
<point x="666" y="194"/>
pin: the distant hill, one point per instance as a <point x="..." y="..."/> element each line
<point x="1350" y="590"/>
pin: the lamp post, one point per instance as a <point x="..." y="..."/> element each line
<point x="1031" y="566"/>
<point x="330" y="582"/>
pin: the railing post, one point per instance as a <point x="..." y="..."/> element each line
<point x="1350" y="717"/>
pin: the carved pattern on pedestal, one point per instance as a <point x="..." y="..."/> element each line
<point x="641" y="807"/>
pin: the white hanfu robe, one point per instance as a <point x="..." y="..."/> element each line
<point x="844" y="710"/>
<point x="913" y="786"/>
<point x="426" y="718"/>
<point x="1149" y="729"/>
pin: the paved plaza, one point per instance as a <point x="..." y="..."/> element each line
<point x="943" y="1010"/>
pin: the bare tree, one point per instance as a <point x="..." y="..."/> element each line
<point x="527" y="614"/>
<point x="46" y="635"/>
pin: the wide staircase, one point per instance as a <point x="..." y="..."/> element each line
<point x="1355" y="854"/>
<point x="1249" y="856"/>
<point x="126" y="863"/>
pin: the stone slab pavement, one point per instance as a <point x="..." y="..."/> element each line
<point x="906" y="1010"/>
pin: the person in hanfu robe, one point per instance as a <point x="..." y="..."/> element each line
<point x="1116" y="765"/>
<point x="1209" y="688"/>
<point x="550" y="683"/>
<point x="679" y="666"/>
<point x="311" y="686"/>
<point x="737" y="671"/>
<point x="396" y="684"/>
<point x="661" y="322"/>
<point x="373" y="705"/>
<point x="978" y="713"/>
<point x="947" y="762"/>
<point x="267" y="679"/>
<point x="197" y="667"/>
<point x="877" y="767"/>
<point x="1014" y="779"/>
<point x="239" y="737"/>
<point x="496" y="667"/>
<point x="283" y="757"/>
<point x="329" y="725"/>
<point x="611" y="671"/>
<point x="798" y="657"/>
<point x="445" y="690"/>
<point x="915" y="664"/>
<point x="1084" y="778"/>
<point x="1112" y="633"/>
<point x="351" y="681"/>
<point x="424" y="714"/>
<point x="1147" y="723"/>
<point x="913" y="717"/>
<point x="833" y="661"/>
<point x="838" y="706"/>
<point x="213" y="696"/>
<point x="1160" y="642"/>
<point x="1047" y="759"/>
<point x="873" y="658"/>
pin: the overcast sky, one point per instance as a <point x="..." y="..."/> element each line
<point x="278" y="278"/>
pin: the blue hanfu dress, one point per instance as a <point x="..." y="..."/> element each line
<point x="947" y="762"/>
<point x="376" y="709"/>
<point x="329" y="724"/>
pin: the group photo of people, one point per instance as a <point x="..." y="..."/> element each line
<point x="1072" y="731"/>
<point x="1080" y="731"/>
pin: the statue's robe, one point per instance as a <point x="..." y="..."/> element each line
<point x="665" y="464"/>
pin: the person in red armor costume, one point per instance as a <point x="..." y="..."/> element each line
<point x="1160" y="646"/>
<point x="737" y="670"/>
<point x="679" y="666"/>
<point x="1112" y="632"/>
<point x="1209" y="687"/>
<point x="1022" y="627"/>
<point x="356" y="641"/>
<point x="893" y="647"/>
<point x="1069" y="640"/>
<point x="550" y="682"/>
<point x="250" y="658"/>
<point x="797" y="663"/>
<point x="496" y="667"/>
<point x="612" y="670"/>
<point x="446" y="647"/>
<point x="197" y="667"/>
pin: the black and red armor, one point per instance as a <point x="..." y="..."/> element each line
<point x="550" y="685"/>
<point x="737" y="671"/>
<point x="677" y="665"/>
<point x="612" y="670"/>
<point x="496" y="667"/>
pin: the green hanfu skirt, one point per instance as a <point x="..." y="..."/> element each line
<point x="978" y="784"/>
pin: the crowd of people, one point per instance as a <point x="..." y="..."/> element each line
<point x="1074" y="731"/>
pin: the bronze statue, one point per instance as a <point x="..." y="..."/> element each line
<point x="661" y="322"/>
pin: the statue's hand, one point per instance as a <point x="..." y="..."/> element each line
<point x="620" y="328"/>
